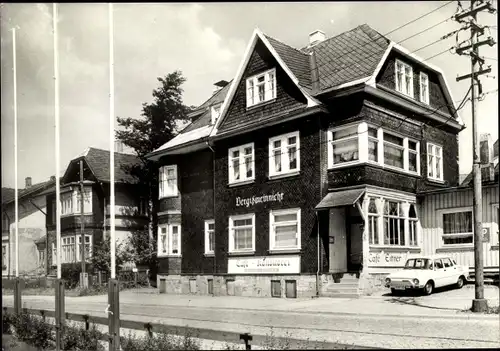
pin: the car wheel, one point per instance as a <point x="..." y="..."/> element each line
<point x="460" y="282"/>
<point x="428" y="288"/>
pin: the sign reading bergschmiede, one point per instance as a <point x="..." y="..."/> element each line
<point x="250" y="201"/>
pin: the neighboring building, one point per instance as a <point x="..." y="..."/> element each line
<point x="130" y="204"/>
<point x="448" y="219"/>
<point x="305" y="181"/>
<point x="31" y="227"/>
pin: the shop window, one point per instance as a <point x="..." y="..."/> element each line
<point x="291" y="289"/>
<point x="169" y="241"/>
<point x="373" y="222"/>
<point x="242" y="233"/>
<point x="434" y="162"/>
<point x="261" y="87"/>
<point x="394" y="229"/>
<point x="241" y="163"/>
<point x="209" y="236"/>
<point x="412" y="227"/>
<point x="284" y="154"/>
<point x="458" y="227"/>
<point x="168" y="181"/>
<point x="404" y="78"/>
<point x="284" y="229"/>
<point x="275" y="288"/>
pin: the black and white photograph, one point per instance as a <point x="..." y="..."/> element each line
<point x="250" y="175"/>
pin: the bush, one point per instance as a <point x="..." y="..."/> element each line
<point x="77" y="338"/>
<point x="32" y="330"/>
<point x="70" y="273"/>
<point x="6" y="323"/>
<point x="159" y="341"/>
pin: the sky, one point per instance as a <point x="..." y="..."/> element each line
<point x="206" y="42"/>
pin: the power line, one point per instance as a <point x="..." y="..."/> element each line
<point x="425" y="30"/>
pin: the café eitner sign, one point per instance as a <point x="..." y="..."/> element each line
<point x="251" y="201"/>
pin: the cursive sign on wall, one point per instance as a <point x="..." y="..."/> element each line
<point x="250" y="201"/>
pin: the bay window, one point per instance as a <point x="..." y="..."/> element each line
<point x="68" y="249"/>
<point x="284" y="229"/>
<point x="169" y="239"/>
<point x="434" y="162"/>
<point x="88" y="247"/>
<point x="242" y="233"/>
<point x="67" y="203"/>
<point x="261" y="87"/>
<point x="424" y="88"/>
<point x="344" y="145"/>
<point x="412" y="226"/>
<point x="209" y="236"/>
<point x="373" y="222"/>
<point x="404" y="78"/>
<point x="373" y="144"/>
<point x="284" y="152"/>
<point x="168" y="181"/>
<point x="241" y="163"/>
<point x="458" y="227"/>
<point x="394" y="228"/>
<point x="393" y="151"/>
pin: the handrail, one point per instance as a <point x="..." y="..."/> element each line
<point x="199" y="333"/>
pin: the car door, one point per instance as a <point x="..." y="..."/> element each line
<point x="439" y="273"/>
<point x="450" y="272"/>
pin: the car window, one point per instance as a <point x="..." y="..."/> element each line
<point x="438" y="264"/>
<point x="447" y="263"/>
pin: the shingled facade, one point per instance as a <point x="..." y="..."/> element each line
<point x="303" y="172"/>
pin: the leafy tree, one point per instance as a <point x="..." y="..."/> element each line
<point x="157" y="124"/>
<point x="101" y="257"/>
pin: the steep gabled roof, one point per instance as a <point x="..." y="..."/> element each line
<point x="8" y="195"/>
<point x="98" y="162"/>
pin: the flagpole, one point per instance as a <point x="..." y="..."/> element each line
<point x="16" y="199"/>
<point x="111" y="142"/>
<point x="57" y="137"/>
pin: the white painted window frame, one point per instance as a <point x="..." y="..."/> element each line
<point x="424" y="81"/>
<point x="88" y="254"/>
<point x="440" y="214"/>
<point x="400" y="89"/>
<point x="431" y="152"/>
<point x="285" y="156"/>
<point x="241" y="163"/>
<point x="272" y="228"/>
<point x="495" y="228"/>
<point x="269" y="87"/>
<point x="207" y="237"/>
<point x="87" y="200"/>
<point x="163" y="180"/>
<point x="232" y="234"/>
<point x="169" y="240"/>
<point x="406" y="151"/>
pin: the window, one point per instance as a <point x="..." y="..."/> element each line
<point x="284" y="154"/>
<point x="67" y="203"/>
<point x="88" y="248"/>
<point x="404" y="78"/>
<point x="393" y="151"/>
<point x="241" y="163"/>
<point x="372" y="144"/>
<point x="169" y="240"/>
<point x="261" y="87"/>
<point x="4" y="257"/>
<point x="412" y="227"/>
<point x="373" y="222"/>
<point x="284" y="229"/>
<point x="344" y="145"/>
<point x="424" y="88"/>
<point x="394" y="229"/>
<point x="242" y="233"/>
<point x="434" y="161"/>
<point x="413" y="160"/>
<point x="87" y="200"/>
<point x="168" y="181"/>
<point x="458" y="228"/>
<point x="142" y="206"/>
<point x="215" y="112"/>
<point x="447" y="262"/>
<point x="209" y="236"/>
<point x="68" y="249"/>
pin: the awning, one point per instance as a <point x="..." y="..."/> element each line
<point x="340" y="198"/>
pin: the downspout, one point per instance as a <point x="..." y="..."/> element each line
<point x="317" y="271"/>
<point x="213" y="212"/>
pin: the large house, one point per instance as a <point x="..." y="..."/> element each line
<point x="31" y="228"/>
<point x="301" y="176"/>
<point x="130" y="204"/>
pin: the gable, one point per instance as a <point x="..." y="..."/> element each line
<point x="387" y="78"/>
<point x="72" y="173"/>
<point x="288" y="96"/>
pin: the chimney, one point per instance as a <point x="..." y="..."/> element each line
<point x="486" y="157"/>
<point x="316" y="37"/>
<point x="219" y="85"/>
<point x="27" y="182"/>
<point x="52" y="178"/>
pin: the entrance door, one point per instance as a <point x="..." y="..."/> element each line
<point x="337" y="240"/>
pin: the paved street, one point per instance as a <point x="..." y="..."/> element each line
<point x="380" y="321"/>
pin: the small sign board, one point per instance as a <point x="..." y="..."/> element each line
<point x="486" y="234"/>
<point x="134" y="269"/>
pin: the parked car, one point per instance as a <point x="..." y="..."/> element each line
<point x="427" y="273"/>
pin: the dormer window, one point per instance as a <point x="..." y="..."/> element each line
<point x="261" y="87"/>
<point x="404" y="78"/>
<point x="215" y="112"/>
<point x="424" y="88"/>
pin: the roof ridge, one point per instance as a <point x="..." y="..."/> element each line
<point x="281" y="42"/>
<point x="97" y="148"/>
<point x="338" y="35"/>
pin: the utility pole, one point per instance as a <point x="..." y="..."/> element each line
<point x="479" y="304"/>
<point x="83" y="276"/>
